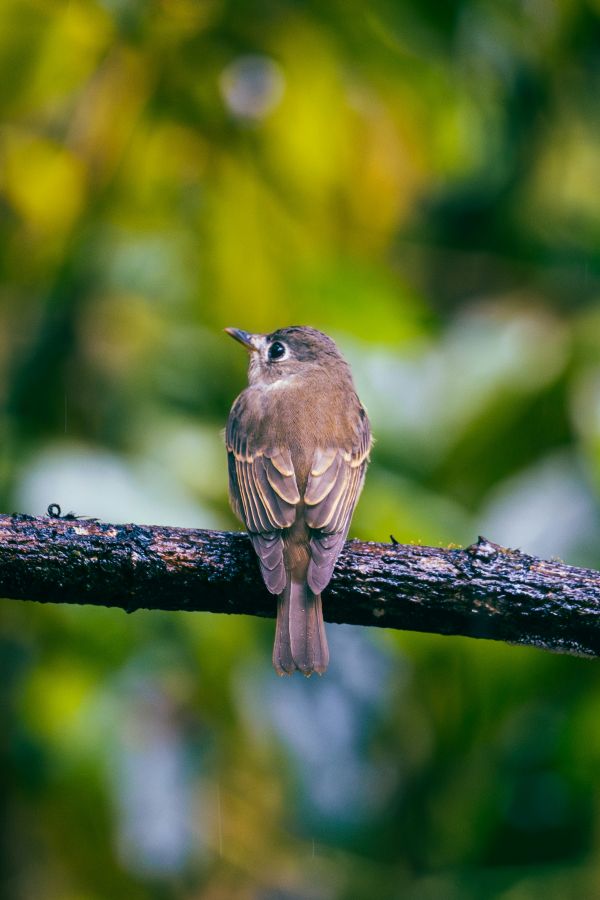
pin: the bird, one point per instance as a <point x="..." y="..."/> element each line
<point x="298" y="443"/>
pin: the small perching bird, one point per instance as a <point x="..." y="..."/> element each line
<point x="298" y="441"/>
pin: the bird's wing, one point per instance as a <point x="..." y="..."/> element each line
<point x="264" y="494"/>
<point x="334" y="485"/>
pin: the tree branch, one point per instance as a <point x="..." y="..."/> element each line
<point x="485" y="591"/>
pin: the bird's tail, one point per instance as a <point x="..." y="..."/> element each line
<point x="300" y="640"/>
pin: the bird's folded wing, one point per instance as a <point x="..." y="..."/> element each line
<point x="263" y="488"/>
<point x="334" y="485"/>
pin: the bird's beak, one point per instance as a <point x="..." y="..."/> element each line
<point x="250" y="341"/>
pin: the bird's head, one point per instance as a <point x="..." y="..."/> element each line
<point x="289" y="352"/>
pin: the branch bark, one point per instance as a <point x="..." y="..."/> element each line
<point x="483" y="591"/>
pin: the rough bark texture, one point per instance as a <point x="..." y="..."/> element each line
<point x="484" y="591"/>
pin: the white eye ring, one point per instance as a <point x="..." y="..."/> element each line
<point x="277" y="351"/>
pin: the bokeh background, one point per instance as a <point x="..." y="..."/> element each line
<point x="422" y="181"/>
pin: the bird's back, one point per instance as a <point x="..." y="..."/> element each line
<point x="286" y="419"/>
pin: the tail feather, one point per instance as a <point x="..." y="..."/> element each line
<point x="300" y="640"/>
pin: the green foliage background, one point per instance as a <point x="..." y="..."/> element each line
<point x="420" y="180"/>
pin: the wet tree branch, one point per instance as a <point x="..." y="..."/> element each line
<point x="484" y="591"/>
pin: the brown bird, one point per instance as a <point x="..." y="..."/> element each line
<point x="298" y="442"/>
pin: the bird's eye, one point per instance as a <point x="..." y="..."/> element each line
<point x="276" y="350"/>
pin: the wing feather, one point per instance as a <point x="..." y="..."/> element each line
<point x="282" y="460"/>
<point x="332" y="491"/>
<point x="284" y="484"/>
<point x="262" y="518"/>
<point x="262" y="481"/>
<point x="323" y="513"/>
<point x="321" y="480"/>
<point x="264" y="493"/>
<point x="322" y="461"/>
<point x="269" y="549"/>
